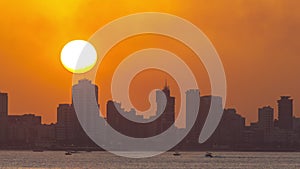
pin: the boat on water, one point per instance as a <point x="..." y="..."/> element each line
<point x="176" y="153"/>
<point x="209" y="154"/>
<point x="68" y="153"/>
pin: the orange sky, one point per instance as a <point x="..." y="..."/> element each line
<point x="257" y="42"/>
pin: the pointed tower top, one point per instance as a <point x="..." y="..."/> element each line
<point x="166" y="83"/>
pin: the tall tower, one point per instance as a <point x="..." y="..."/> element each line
<point x="67" y="123"/>
<point x="168" y="112"/>
<point x="285" y="113"/>
<point x="3" y="105"/>
<point x="192" y="139"/>
<point x="85" y="102"/>
<point x="3" y="117"/>
<point x="86" y="90"/>
<point x="192" y="106"/>
<point x="266" y="118"/>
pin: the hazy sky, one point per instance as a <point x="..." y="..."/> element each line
<point x="258" y="43"/>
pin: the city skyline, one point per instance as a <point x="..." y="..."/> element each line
<point x="259" y="52"/>
<point x="6" y="107"/>
<point x="268" y="133"/>
<point x="149" y="84"/>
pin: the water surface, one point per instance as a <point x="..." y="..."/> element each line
<point x="187" y="160"/>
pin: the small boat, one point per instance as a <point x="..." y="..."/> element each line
<point x="176" y="153"/>
<point x="208" y="154"/>
<point x="68" y="153"/>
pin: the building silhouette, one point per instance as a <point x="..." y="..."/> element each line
<point x="85" y="102"/>
<point x="266" y="119"/>
<point x="285" y="113"/>
<point x="17" y="130"/>
<point x="167" y="118"/>
<point x="229" y="133"/>
<point x="116" y="117"/>
<point x="27" y="132"/>
<point x="67" y="125"/>
<point x="23" y="129"/>
<point x="68" y="130"/>
<point x="296" y="125"/>
<point x="3" y="117"/>
<point x="267" y="134"/>
<point x="84" y="106"/>
<point x="192" y="96"/>
<point x="192" y="105"/>
<point x="46" y="136"/>
<point x="265" y="123"/>
<point x="3" y="104"/>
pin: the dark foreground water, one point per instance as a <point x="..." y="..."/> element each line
<point x="187" y="160"/>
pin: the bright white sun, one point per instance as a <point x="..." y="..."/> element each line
<point x="78" y="56"/>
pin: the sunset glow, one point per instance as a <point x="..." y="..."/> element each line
<point x="78" y="56"/>
<point x="258" y="43"/>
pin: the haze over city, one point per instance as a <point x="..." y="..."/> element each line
<point x="256" y="41"/>
<point x="137" y="84"/>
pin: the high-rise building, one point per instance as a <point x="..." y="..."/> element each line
<point x="265" y="125"/>
<point x="3" y="105"/>
<point x="191" y="140"/>
<point x="23" y="129"/>
<point x="285" y="113"/>
<point x="68" y="129"/>
<point x="192" y="106"/>
<point x="3" y="117"/>
<point x="230" y="130"/>
<point x="85" y="102"/>
<point x="83" y="110"/>
<point x="167" y="108"/>
<point x="86" y="90"/>
<point x="66" y="123"/>
<point x="266" y="119"/>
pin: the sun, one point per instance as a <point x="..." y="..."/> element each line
<point x="78" y="56"/>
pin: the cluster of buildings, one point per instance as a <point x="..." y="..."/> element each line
<point x="27" y="131"/>
<point x="282" y="132"/>
<point x="138" y="127"/>
<point x="267" y="134"/>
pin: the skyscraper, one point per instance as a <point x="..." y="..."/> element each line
<point x="266" y="119"/>
<point x="66" y="123"/>
<point x="168" y="109"/>
<point x="230" y="130"/>
<point x="192" y="106"/>
<point x="86" y="90"/>
<point x="3" y="105"/>
<point x="192" y="138"/>
<point x="85" y="102"/>
<point x="285" y="113"/>
<point x="3" y="117"/>
<point x="265" y="125"/>
<point x="68" y="129"/>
